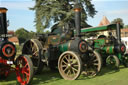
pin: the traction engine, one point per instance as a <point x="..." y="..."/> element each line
<point x="21" y="65"/>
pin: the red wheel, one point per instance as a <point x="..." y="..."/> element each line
<point x="24" y="69"/>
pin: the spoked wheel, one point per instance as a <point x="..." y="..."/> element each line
<point x="69" y="65"/>
<point x="24" y="70"/>
<point x="125" y="60"/>
<point x="112" y="62"/>
<point x="92" y="63"/>
<point x="34" y="47"/>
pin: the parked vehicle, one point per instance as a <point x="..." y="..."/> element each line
<point x="64" y="48"/>
<point x="21" y="65"/>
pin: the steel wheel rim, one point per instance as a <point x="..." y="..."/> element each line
<point x="69" y="66"/>
<point x="23" y="71"/>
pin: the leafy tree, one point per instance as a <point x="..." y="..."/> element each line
<point x="118" y="20"/>
<point x="23" y="35"/>
<point x="60" y="11"/>
<point x="126" y="26"/>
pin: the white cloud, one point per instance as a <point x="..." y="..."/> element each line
<point x="17" y="5"/>
<point x="109" y="0"/>
<point x="118" y="12"/>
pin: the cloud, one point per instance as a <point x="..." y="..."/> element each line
<point x="118" y="12"/>
<point x="14" y="0"/>
<point x="17" y="5"/>
<point x="109" y="0"/>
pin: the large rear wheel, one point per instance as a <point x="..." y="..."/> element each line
<point x="24" y="70"/>
<point x="33" y="47"/>
<point x="69" y="65"/>
<point x="92" y="63"/>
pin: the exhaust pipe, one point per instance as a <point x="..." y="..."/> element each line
<point x="77" y="10"/>
<point x="3" y="22"/>
<point x="118" y="31"/>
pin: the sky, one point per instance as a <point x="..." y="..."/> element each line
<point x="20" y="16"/>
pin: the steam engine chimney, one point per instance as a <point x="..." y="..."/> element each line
<point x="3" y="23"/>
<point x="118" y="36"/>
<point x="77" y="10"/>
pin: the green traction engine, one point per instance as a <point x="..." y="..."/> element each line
<point x="64" y="50"/>
<point x="110" y="47"/>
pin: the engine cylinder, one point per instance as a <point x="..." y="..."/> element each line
<point x="76" y="45"/>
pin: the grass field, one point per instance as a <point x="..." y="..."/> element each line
<point x="105" y="77"/>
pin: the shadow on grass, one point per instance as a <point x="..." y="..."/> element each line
<point x="9" y="80"/>
<point x="104" y="71"/>
<point x="46" y="76"/>
<point x="108" y="70"/>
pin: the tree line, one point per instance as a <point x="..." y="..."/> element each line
<point x="58" y="12"/>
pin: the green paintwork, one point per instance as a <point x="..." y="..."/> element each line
<point x="109" y="49"/>
<point x="119" y="56"/>
<point x="99" y="43"/>
<point x="99" y="28"/>
<point x="64" y="47"/>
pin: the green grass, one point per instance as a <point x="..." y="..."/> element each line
<point x="105" y="77"/>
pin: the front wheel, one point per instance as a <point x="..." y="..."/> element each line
<point x="69" y="65"/>
<point x="24" y="70"/>
<point x="112" y="62"/>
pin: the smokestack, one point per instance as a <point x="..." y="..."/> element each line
<point x="118" y="36"/>
<point x="118" y="33"/>
<point x="77" y="10"/>
<point x="3" y="22"/>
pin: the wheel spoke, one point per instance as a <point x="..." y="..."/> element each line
<point x="64" y="62"/>
<point x="66" y="58"/>
<point x="96" y="64"/>
<point x="27" y="73"/>
<point x="35" y="53"/>
<point x="69" y="58"/>
<point x="26" y="65"/>
<point x="74" y="69"/>
<point x="95" y="60"/>
<point x="64" y="65"/>
<point x="69" y="72"/>
<point x="75" y="65"/>
<point x="65" y="69"/>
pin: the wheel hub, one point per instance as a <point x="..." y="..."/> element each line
<point x="69" y="65"/>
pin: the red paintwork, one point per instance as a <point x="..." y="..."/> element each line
<point x="13" y="50"/>
<point x="123" y="48"/>
<point x="3" y="61"/>
<point x="5" y="69"/>
<point x="24" y="71"/>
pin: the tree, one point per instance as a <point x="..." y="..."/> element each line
<point x="60" y="11"/>
<point x="118" y="20"/>
<point x="23" y="35"/>
<point x="126" y="26"/>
